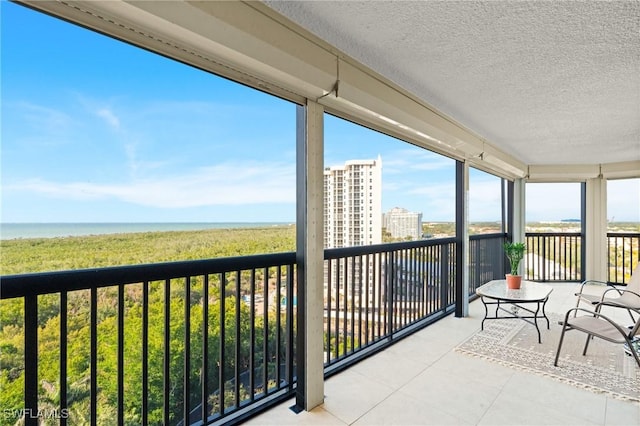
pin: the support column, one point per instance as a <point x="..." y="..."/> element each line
<point x="462" y="239"/>
<point x="519" y="208"/>
<point x="595" y="227"/>
<point x="310" y="256"/>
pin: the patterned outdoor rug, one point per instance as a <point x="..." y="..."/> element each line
<point x="605" y="368"/>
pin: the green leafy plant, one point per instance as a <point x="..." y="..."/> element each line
<point x="515" y="253"/>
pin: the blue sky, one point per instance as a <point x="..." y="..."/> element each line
<point x="94" y="130"/>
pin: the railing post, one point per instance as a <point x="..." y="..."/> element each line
<point x="290" y="327"/>
<point x="63" y="357"/>
<point x="120" y="356"/>
<point x="31" y="360"/>
<point x="444" y="276"/>
<point x="145" y="352"/>
<point x="93" y="357"/>
<point x="186" y="366"/>
<point x="544" y="259"/>
<point x="391" y="279"/>
<point x="204" y="413"/>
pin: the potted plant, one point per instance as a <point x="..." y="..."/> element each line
<point x="515" y="253"/>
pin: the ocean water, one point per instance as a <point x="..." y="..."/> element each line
<point x="11" y="231"/>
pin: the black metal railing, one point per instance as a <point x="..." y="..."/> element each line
<point x="624" y="255"/>
<point x="373" y="294"/>
<point x="170" y="343"/>
<point x="176" y="343"/>
<point x="556" y="256"/>
<point x="486" y="259"/>
<point x="553" y="256"/>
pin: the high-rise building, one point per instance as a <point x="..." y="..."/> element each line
<point x="353" y="204"/>
<point x="401" y="223"/>
<point x="353" y="217"/>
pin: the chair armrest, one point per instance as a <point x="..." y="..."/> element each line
<point x="574" y="311"/>
<point x="621" y="291"/>
<point x="616" y="290"/>
<point x="599" y="315"/>
<point x="593" y="313"/>
<point x="603" y="283"/>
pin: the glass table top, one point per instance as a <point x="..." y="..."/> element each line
<point x="529" y="291"/>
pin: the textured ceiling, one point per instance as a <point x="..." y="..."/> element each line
<point x="549" y="82"/>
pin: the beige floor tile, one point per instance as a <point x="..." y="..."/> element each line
<point x="509" y="410"/>
<point x="474" y="370"/>
<point x="421" y="380"/>
<point x="402" y="410"/>
<point x="455" y="395"/>
<point x="420" y="349"/>
<point x="350" y="394"/>
<point x="558" y="398"/>
<point x="390" y="368"/>
<point x="622" y="413"/>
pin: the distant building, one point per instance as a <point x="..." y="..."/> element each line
<point x="401" y="223"/>
<point x="353" y="204"/>
<point x="352" y="217"/>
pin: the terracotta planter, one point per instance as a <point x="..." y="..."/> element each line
<point x="514" y="281"/>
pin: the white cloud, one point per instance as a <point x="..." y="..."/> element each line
<point x="226" y="184"/>
<point x="33" y="118"/>
<point x="110" y="117"/>
<point x="404" y="160"/>
<point x="436" y="201"/>
<point x="485" y="199"/>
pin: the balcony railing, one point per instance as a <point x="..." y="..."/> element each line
<point x="374" y="294"/>
<point x="176" y="343"/>
<point x="557" y="256"/>
<point x="486" y="259"/>
<point x="553" y="256"/>
<point x="624" y="255"/>
<point x="168" y="343"/>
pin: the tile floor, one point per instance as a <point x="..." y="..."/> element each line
<point x="421" y="380"/>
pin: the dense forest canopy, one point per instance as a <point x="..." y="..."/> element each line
<point x="21" y="256"/>
<point x="50" y="254"/>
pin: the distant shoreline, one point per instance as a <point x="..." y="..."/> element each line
<point x="18" y="231"/>
<point x="15" y="231"/>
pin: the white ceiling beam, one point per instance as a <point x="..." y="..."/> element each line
<point x="582" y="172"/>
<point x="625" y="170"/>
